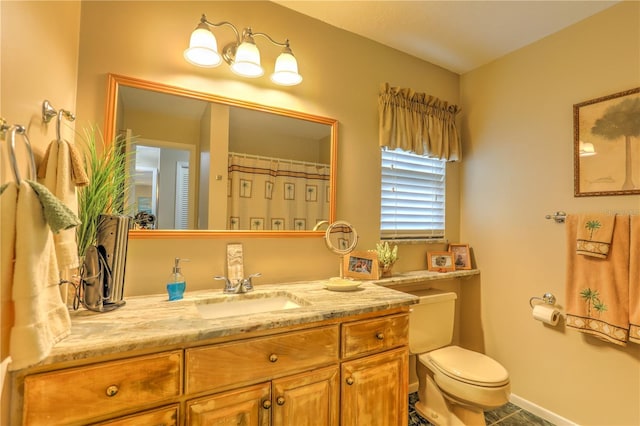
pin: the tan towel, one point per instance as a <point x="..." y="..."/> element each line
<point x="78" y="172"/>
<point x="634" y="281"/>
<point x="41" y="318"/>
<point x="594" y="234"/>
<point x="597" y="290"/>
<point x="57" y="170"/>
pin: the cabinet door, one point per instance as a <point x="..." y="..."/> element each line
<point x="248" y="406"/>
<point x="374" y="390"/>
<point x="308" y="399"/>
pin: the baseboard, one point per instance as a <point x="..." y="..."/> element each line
<point x="540" y="412"/>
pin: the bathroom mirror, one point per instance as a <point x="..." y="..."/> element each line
<point x="206" y="165"/>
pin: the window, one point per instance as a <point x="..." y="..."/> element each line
<point x="413" y="189"/>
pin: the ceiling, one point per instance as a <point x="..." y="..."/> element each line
<point x="454" y="34"/>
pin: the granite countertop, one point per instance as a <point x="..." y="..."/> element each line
<point x="153" y="321"/>
<point x="402" y="278"/>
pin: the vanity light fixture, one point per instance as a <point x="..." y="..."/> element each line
<point x="242" y="55"/>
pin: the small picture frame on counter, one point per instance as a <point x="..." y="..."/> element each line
<point x="461" y="256"/>
<point x="440" y="261"/>
<point x="362" y="265"/>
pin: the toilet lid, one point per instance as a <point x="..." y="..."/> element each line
<point x="468" y="366"/>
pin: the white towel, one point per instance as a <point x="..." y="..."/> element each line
<point x="8" y="202"/>
<point x="41" y="318"/>
<point x="58" y="178"/>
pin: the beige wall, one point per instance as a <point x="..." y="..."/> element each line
<point x="518" y="167"/>
<point x="517" y="164"/>
<point x="148" y="44"/>
<point x="39" y="61"/>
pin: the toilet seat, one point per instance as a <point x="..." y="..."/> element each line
<point x="467" y="366"/>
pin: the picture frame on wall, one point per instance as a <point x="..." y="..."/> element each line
<point x="606" y="134"/>
<point x="440" y="261"/>
<point x="362" y="265"/>
<point x="461" y="256"/>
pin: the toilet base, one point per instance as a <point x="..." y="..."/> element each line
<point x="439" y="410"/>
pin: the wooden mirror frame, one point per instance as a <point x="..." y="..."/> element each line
<point x="114" y="81"/>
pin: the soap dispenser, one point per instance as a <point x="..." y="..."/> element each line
<point x="177" y="283"/>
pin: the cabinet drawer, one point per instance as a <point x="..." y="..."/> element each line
<point x="229" y="365"/>
<point x="165" y="416"/>
<point x="370" y="336"/>
<point x="68" y="396"/>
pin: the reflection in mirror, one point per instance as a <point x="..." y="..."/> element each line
<point x="203" y="162"/>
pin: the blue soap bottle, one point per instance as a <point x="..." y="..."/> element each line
<point x="177" y="283"/>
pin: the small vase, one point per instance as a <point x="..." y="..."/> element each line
<point x="385" y="270"/>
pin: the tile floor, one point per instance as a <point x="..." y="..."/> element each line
<point x="507" y="415"/>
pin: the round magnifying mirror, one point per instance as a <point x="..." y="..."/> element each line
<point x="341" y="237"/>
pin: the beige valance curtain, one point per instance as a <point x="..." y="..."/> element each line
<point x="418" y="123"/>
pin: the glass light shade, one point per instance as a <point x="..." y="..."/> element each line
<point x="586" y="149"/>
<point x="247" y="60"/>
<point x="203" y="48"/>
<point x="286" y="70"/>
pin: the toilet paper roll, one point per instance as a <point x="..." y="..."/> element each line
<point x="548" y="314"/>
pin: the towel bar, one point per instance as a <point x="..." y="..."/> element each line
<point x="558" y="217"/>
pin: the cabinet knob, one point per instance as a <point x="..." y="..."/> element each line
<point x="112" y="390"/>
<point x="349" y="381"/>
<point x="266" y="404"/>
<point x="280" y="400"/>
<point x="273" y="357"/>
<point x="380" y="336"/>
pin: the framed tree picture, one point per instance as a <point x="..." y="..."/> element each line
<point x="607" y="145"/>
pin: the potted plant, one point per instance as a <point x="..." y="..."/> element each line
<point x="105" y="165"/>
<point x="387" y="256"/>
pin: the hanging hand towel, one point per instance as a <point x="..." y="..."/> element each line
<point x="634" y="281"/>
<point x="597" y="290"/>
<point x="78" y="173"/>
<point x="8" y="202"/>
<point x="58" y="169"/>
<point x="594" y="235"/>
<point x="57" y="215"/>
<point x="41" y="318"/>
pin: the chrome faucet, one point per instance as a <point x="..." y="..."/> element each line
<point x="242" y="285"/>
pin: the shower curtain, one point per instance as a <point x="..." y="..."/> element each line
<point x="276" y="194"/>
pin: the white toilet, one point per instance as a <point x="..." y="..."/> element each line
<point x="455" y="385"/>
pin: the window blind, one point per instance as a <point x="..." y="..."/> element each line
<point x="413" y="195"/>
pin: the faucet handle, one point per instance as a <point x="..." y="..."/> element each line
<point x="246" y="283"/>
<point x="228" y="286"/>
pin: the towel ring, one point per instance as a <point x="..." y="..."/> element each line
<point x="16" y="128"/>
<point x="48" y="112"/>
<point x="68" y="115"/>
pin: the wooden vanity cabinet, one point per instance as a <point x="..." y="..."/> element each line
<point x="349" y="372"/>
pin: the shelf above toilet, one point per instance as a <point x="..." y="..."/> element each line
<point x="410" y="277"/>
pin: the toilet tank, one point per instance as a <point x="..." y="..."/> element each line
<point x="431" y="320"/>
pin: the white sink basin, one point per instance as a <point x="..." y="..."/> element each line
<point x="234" y="305"/>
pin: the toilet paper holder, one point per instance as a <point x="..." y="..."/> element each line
<point x="547" y="298"/>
